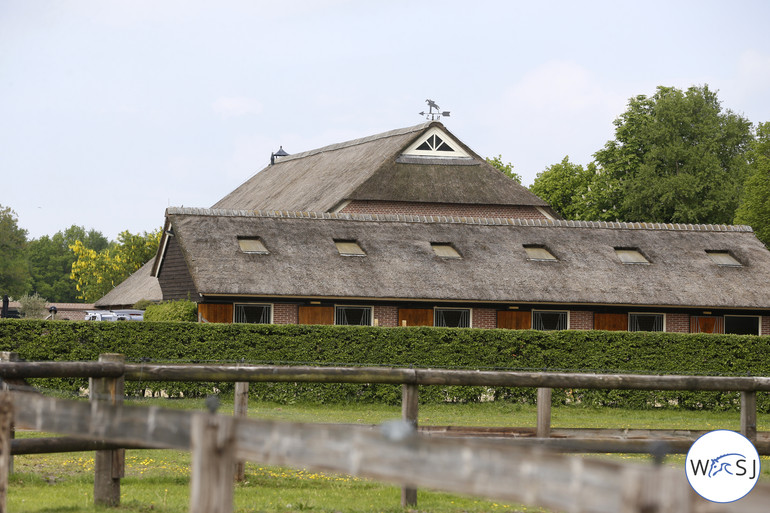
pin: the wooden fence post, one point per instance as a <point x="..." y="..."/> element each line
<point x="213" y="463"/>
<point x="6" y="428"/>
<point x="749" y="415"/>
<point x="9" y="356"/>
<point x="409" y="412"/>
<point x="241" y="409"/>
<point x="109" y="466"/>
<point x="543" y="412"/>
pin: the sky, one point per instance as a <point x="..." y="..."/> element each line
<point x="112" y="111"/>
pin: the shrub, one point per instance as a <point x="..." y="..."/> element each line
<point x="33" y="307"/>
<point x="172" y="311"/>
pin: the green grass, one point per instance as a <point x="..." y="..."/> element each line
<point x="159" y="480"/>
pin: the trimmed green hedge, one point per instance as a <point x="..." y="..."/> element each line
<point x="172" y="311"/>
<point x="580" y="351"/>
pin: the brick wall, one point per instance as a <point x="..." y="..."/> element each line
<point x="442" y="209"/>
<point x="484" y="318"/>
<point x="678" y="323"/>
<point x="581" y="320"/>
<point x="386" y="315"/>
<point x="285" y="313"/>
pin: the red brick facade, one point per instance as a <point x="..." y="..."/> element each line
<point x="285" y="313"/>
<point x="442" y="209"/>
<point x="581" y="320"/>
<point x="386" y="315"/>
<point x="485" y="318"/>
<point x="677" y="323"/>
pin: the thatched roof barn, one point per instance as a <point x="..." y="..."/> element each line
<point x="411" y="227"/>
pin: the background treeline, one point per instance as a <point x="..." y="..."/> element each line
<point x="578" y="351"/>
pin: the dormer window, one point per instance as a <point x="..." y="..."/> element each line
<point x="631" y="256"/>
<point x="444" y="250"/>
<point x="539" y="253"/>
<point x="723" y="258"/>
<point x="349" y="248"/>
<point x="436" y="143"/>
<point x="252" y="245"/>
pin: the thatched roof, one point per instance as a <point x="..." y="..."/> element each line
<point x="140" y="285"/>
<point x="374" y="168"/>
<point x="400" y="264"/>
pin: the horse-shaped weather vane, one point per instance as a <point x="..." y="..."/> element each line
<point x="434" y="115"/>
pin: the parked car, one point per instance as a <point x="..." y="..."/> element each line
<point x="114" y="315"/>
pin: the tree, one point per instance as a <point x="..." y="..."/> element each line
<point x="14" y="272"/>
<point x="507" y="169"/>
<point x="50" y="262"/>
<point x="567" y="188"/>
<point x="97" y="272"/>
<point x="676" y="157"/>
<point x="755" y="207"/>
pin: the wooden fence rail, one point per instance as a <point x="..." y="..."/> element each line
<point x="108" y="373"/>
<point x="395" y="453"/>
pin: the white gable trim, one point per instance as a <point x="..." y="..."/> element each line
<point x="436" y="143"/>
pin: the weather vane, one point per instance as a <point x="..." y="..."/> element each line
<point x="434" y="115"/>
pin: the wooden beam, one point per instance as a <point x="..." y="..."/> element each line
<point x="241" y="409"/>
<point x="109" y="465"/>
<point x="749" y="415"/>
<point x="409" y="414"/>
<point x="213" y="463"/>
<point x="543" y="412"/>
<point x="6" y="423"/>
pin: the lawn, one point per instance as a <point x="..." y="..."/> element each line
<point x="159" y="480"/>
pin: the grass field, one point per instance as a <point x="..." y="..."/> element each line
<point x="159" y="480"/>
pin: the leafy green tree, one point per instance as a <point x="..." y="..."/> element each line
<point x="97" y="272"/>
<point x="755" y="208"/>
<point x="50" y="261"/>
<point x="33" y="306"/>
<point x="567" y="188"/>
<point x="677" y="157"/>
<point x="507" y="169"/>
<point x="14" y="272"/>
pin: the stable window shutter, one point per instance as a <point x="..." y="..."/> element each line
<point x="316" y="315"/>
<point x="514" y="320"/>
<point x="415" y="316"/>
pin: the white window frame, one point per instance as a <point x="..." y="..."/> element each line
<point x="647" y="313"/>
<point x="758" y="317"/>
<point x="272" y="312"/>
<point x="458" y="151"/>
<point x="367" y="307"/>
<point x="470" y="313"/>
<point x="550" y="311"/>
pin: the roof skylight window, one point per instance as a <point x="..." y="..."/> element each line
<point x="723" y="258"/>
<point x="444" y="250"/>
<point x="539" y="253"/>
<point x="253" y="245"/>
<point x="349" y="248"/>
<point x="631" y="256"/>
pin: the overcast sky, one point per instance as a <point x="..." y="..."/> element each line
<point x="110" y="111"/>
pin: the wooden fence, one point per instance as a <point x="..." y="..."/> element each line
<point x="496" y="469"/>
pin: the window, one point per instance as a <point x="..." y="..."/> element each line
<point x="353" y="315"/>
<point x="349" y="248"/>
<point x="252" y="245"/>
<point x="742" y="324"/>
<point x="723" y="258"/>
<point x="549" y="320"/>
<point x="539" y="253"/>
<point x="254" y="314"/>
<point x="436" y="143"/>
<point x="452" y="317"/>
<point x="444" y="250"/>
<point x="645" y="322"/>
<point x="631" y="256"/>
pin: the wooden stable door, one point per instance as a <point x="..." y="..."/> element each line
<point x="705" y="324"/>
<point x="415" y="316"/>
<point x="514" y="320"/>
<point x="222" y="313"/>
<point x="316" y="315"/>
<point x="611" y="321"/>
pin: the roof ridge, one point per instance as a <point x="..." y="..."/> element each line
<point x="443" y="219"/>
<point x="355" y="142"/>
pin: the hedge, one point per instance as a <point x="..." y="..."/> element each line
<point x="576" y="351"/>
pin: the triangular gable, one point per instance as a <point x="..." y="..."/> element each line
<point x="436" y="143"/>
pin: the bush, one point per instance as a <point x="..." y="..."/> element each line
<point x="33" y="307"/>
<point x="575" y="351"/>
<point x="172" y="311"/>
